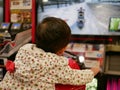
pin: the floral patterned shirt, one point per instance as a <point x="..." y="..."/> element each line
<point x="36" y="69"/>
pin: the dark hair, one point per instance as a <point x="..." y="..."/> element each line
<point x="52" y="34"/>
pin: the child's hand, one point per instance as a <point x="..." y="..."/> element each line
<point x="95" y="70"/>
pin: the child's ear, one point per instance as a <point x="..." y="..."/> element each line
<point x="60" y="52"/>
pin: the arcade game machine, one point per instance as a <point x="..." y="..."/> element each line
<point x="5" y="26"/>
<point x="88" y="47"/>
<point x="17" y="27"/>
<point x="86" y="54"/>
<point x="112" y="59"/>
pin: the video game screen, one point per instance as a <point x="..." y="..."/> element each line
<point x="85" y="17"/>
<point x="5" y="25"/>
<point x="16" y="25"/>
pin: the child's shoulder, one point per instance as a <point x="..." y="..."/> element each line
<point x="28" y="45"/>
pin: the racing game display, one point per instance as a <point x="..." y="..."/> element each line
<point x="85" y="17"/>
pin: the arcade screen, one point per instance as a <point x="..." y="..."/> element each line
<point x="94" y="21"/>
<point x="5" y="25"/>
<point x="114" y="25"/>
<point x="16" y="26"/>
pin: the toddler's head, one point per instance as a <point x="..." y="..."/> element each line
<point x="52" y="34"/>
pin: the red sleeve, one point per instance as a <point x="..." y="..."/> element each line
<point x="73" y="64"/>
